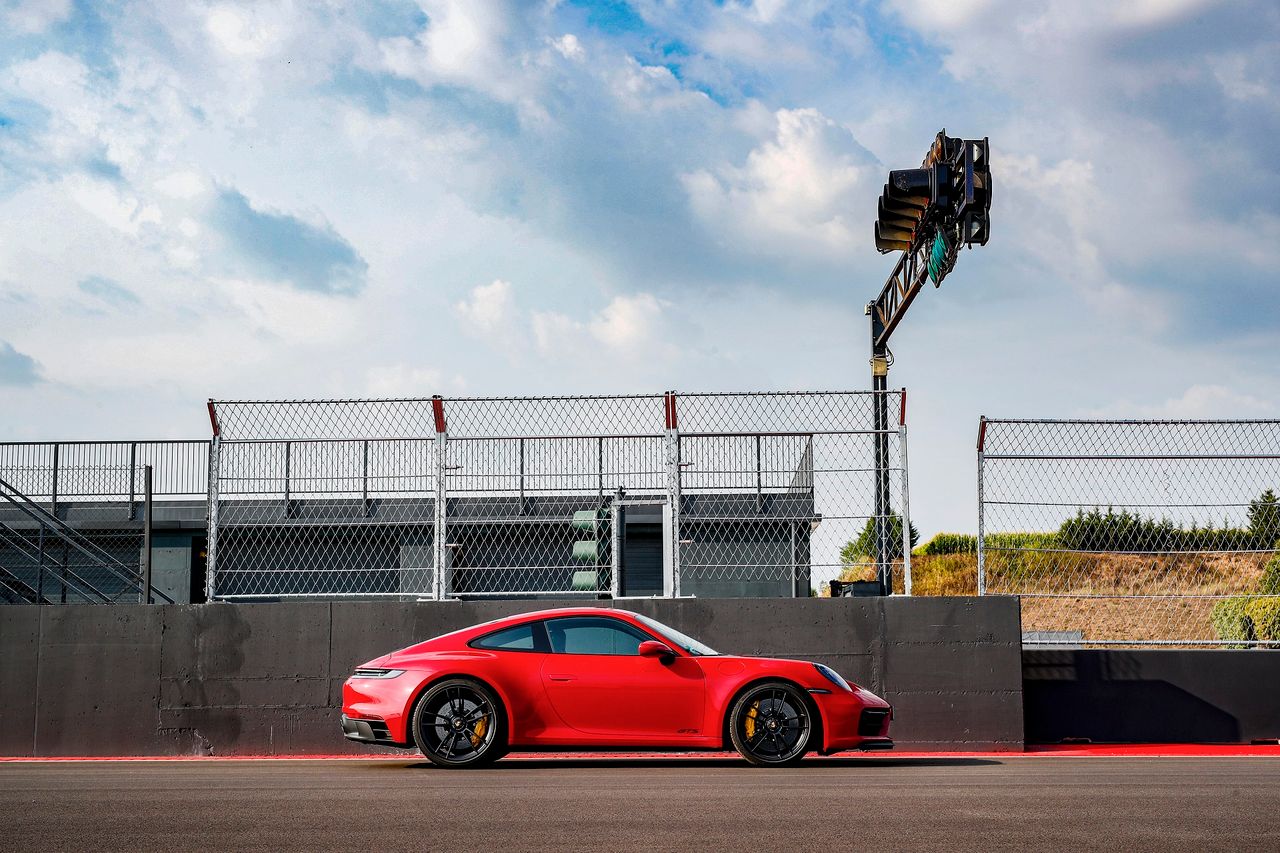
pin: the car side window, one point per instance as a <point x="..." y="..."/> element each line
<point x="593" y="635"/>
<point x="518" y="638"/>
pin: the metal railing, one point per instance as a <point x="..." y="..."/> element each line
<point x="61" y="471"/>
<point x="74" y="519"/>
<point x="54" y="555"/>
<point x="699" y="494"/>
<point x="1133" y="531"/>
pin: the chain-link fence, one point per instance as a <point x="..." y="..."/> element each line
<point x="71" y="526"/>
<point x="698" y="494"/>
<point x="1133" y="532"/>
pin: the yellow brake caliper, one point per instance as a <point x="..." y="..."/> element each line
<point x="750" y="724"/>
<point x="478" y="731"/>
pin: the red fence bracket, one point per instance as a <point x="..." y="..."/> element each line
<point x="982" y="432"/>
<point x="902" y="413"/>
<point x="437" y="409"/>
<point x="669" y="408"/>
<point x="213" y="420"/>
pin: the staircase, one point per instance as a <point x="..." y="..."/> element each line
<point x="49" y="562"/>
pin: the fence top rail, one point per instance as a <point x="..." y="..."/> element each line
<point x="1136" y="421"/>
<point x="1121" y="457"/>
<point x="596" y="416"/>
<point x="428" y="439"/>
<point x="113" y="442"/>
<point x="549" y="398"/>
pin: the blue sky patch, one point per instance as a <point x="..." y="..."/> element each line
<point x="280" y="247"/>
<point x="17" y="368"/>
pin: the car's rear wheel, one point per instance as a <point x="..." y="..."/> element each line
<point x="771" y="724"/>
<point x="458" y="723"/>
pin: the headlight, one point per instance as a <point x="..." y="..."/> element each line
<point x="374" y="672"/>
<point x="834" y="677"/>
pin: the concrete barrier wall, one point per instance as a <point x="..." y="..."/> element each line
<point x="227" y="679"/>
<point x="1152" y="696"/>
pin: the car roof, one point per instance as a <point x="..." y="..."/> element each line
<point x="567" y="611"/>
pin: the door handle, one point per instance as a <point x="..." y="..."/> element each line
<point x="560" y="677"/>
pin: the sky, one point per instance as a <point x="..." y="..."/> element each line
<point x="309" y="199"/>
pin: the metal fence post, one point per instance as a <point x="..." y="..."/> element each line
<point x="618" y="519"/>
<point x="133" y="471"/>
<point x="439" y="528"/>
<point x="671" y="443"/>
<point x="982" y="565"/>
<point x="53" y="492"/>
<point x="906" y="504"/>
<point x="146" y="535"/>
<point x="211" y="518"/>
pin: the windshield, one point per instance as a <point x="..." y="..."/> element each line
<point x="689" y="644"/>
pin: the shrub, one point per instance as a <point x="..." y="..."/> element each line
<point x="1269" y="584"/>
<point x="1232" y="621"/>
<point x="1125" y="531"/>
<point x="1264" y="613"/>
<point x="948" y="543"/>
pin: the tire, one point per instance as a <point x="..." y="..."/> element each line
<point x="459" y="723"/>
<point x="772" y="724"/>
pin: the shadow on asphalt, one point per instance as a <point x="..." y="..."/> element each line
<point x="815" y="763"/>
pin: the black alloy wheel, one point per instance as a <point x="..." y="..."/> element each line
<point x="771" y="724"/>
<point x="458" y="724"/>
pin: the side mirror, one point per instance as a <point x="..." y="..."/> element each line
<point x="655" y="649"/>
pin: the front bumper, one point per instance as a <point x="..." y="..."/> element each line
<point x="857" y="720"/>
<point x="367" y="731"/>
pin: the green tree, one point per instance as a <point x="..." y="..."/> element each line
<point x="863" y="548"/>
<point x="1264" y="519"/>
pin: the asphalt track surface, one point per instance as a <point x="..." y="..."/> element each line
<point x="862" y="803"/>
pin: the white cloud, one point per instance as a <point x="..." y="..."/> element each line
<point x="807" y="186"/>
<point x="1208" y="401"/>
<point x="34" y="16"/>
<point x="463" y="42"/>
<point x="182" y="185"/>
<point x="490" y="311"/>
<point x="242" y="31"/>
<point x="122" y="212"/>
<point x="628" y="326"/>
<point x="405" y="380"/>
<point x="569" y="47"/>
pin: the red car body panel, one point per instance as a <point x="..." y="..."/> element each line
<point x="582" y="701"/>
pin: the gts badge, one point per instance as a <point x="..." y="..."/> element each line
<point x="686" y="731"/>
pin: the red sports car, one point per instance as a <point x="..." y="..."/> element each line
<point x="595" y="678"/>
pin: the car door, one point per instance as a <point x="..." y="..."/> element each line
<point x="599" y="684"/>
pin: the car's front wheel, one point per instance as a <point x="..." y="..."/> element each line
<point x="771" y="724"/>
<point x="458" y="723"/>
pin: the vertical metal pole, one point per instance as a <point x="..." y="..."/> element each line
<point x="522" y="476"/>
<point x="600" y="466"/>
<point x="880" y="426"/>
<point x="40" y="569"/>
<point x="672" y="443"/>
<point x="211" y="523"/>
<point x="440" y="579"/>
<point x="53" y="496"/>
<point x="364" y="479"/>
<point x="146" y="535"/>
<point x="759" y="480"/>
<point x="982" y="562"/>
<point x="288" y="453"/>
<point x="619" y="521"/>
<point x="906" y="506"/>
<point x="133" y="473"/>
<point x="795" y="578"/>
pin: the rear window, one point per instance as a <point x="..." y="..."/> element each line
<point x="519" y="638"/>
